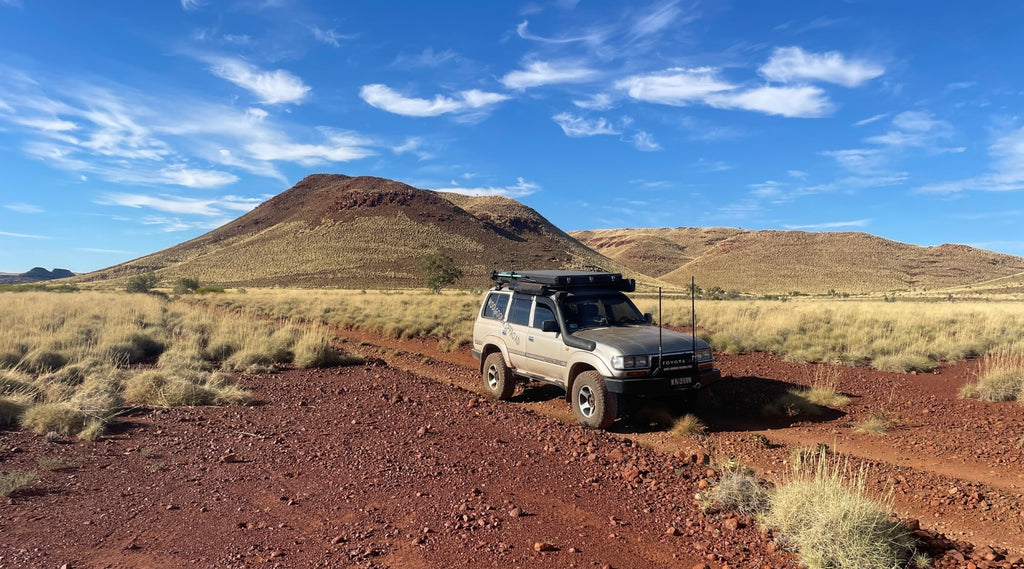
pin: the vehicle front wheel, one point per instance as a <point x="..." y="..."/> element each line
<point x="592" y="404"/>
<point x="498" y="380"/>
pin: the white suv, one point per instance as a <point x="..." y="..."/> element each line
<point x="577" y="330"/>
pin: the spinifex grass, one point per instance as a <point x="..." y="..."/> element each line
<point x="69" y="363"/>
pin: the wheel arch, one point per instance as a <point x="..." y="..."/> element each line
<point x="574" y="371"/>
<point x="489" y="349"/>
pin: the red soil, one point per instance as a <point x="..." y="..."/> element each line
<point x="401" y="464"/>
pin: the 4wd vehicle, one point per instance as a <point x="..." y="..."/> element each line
<point x="577" y="330"/>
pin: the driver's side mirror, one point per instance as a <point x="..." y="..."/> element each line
<point x="649" y="317"/>
<point x="549" y="326"/>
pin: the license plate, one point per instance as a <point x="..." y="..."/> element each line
<point x="679" y="381"/>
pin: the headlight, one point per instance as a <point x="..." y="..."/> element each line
<point x="704" y="355"/>
<point x="631" y="362"/>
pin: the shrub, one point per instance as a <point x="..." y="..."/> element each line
<point x="826" y="515"/>
<point x="185" y="285"/>
<point x="791" y="404"/>
<point x="209" y="289"/>
<point x="876" y="424"/>
<point x="159" y="388"/>
<point x="142" y="283"/>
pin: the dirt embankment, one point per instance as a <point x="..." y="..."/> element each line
<point x="403" y="465"/>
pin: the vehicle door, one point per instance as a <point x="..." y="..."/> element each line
<point x="516" y="330"/>
<point x="545" y="350"/>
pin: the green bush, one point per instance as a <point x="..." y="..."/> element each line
<point x="185" y="285"/>
<point x="142" y="283"/>
<point x="16" y="480"/>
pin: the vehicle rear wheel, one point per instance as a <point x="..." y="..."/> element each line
<point x="592" y="404"/>
<point x="499" y="382"/>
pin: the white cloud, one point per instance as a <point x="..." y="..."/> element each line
<point x="597" y="102"/>
<point x="792" y="63"/>
<point x="594" y="38"/>
<point x="272" y="87"/>
<point x="645" y="142"/>
<point x="22" y="207"/>
<point x="180" y="205"/>
<point x="916" y="129"/>
<point x="427" y="58"/>
<point x="387" y="99"/>
<point x="329" y="37"/>
<point x="1006" y="175"/>
<point x="794" y="102"/>
<point x="413" y="145"/>
<point x="871" y="119"/>
<point x="538" y="73"/>
<point x="676" y="86"/>
<point x="192" y="178"/>
<point x="520" y="189"/>
<point x="575" y="127"/>
<point x="830" y="225"/>
<point x="864" y="161"/>
<point x="190" y="5"/>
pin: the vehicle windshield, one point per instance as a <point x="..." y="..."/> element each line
<point x="596" y="311"/>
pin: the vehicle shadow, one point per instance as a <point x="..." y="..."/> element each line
<point x="536" y="392"/>
<point x="736" y="404"/>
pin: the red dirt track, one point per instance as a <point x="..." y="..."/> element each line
<point x="399" y="463"/>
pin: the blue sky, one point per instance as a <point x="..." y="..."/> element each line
<point x="127" y="127"/>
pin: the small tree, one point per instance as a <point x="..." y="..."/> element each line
<point x="142" y="283"/>
<point x="185" y="285"/>
<point x="439" y="271"/>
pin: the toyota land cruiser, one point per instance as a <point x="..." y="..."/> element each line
<point x="577" y="330"/>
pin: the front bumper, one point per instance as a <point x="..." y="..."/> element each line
<point x="662" y="385"/>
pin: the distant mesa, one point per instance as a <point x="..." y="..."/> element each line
<point x="34" y="275"/>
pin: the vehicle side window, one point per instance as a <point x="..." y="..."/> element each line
<point x="542" y="313"/>
<point x="520" y="310"/>
<point x="495" y="306"/>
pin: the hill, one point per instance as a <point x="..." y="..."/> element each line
<point x="775" y="262"/>
<point x="36" y="274"/>
<point x="356" y="232"/>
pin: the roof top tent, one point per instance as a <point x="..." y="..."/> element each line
<point x="535" y="281"/>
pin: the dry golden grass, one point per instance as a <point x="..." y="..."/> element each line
<point x="825" y="513"/>
<point x="892" y="336"/>
<point x="1000" y="378"/>
<point x="70" y="362"/>
<point x="689" y="425"/>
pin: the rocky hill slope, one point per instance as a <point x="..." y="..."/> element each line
<point x="779" y="262"/>
<point x="335" y="230"/>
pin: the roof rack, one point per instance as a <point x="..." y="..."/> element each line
<point x="535" y="281"/>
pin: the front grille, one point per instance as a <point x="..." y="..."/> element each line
<point x="674" y="361"/>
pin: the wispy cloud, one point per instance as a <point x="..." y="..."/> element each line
<point x="427" y="58"/>
<point x="329" y="37"/>
<point x="520" y="189"/>
<point x="22" y="207"/>
<point x="272" y="87"/>
<point x="387" y="99"/>
<point x="1007" y="169"/>
<point x="191" y="5"/>
<point x="871" y="119"/>
<point x="676" y="86"/>
<point x="830" y="225"/>
<point x="793" y="102"/>
<point x="644" y="141"/>
<point x="180" y="205"/>
<point x="23" y="235"/>
<point x="103" y="251"/>
<point x="594" y="37"/>
<point x="914" y="129"/>
<point x="538" y="73"/>
<point x="596" y="102"/>
<point x="574" y="126"/>
<point x="794" y="64"/>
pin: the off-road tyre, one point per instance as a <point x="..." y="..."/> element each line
<point x="498" y="380"/>
<point x="592" y="404"/>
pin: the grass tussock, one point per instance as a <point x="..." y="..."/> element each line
<point x="738" y="491"/>
<point x="1000" y="378"/>
<point x="689" y="425"/>
<point x="824" y="513"/>
<point x="16" y="480"/>
<point x="793" y="403"/>
<point x="163" y="389"/>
